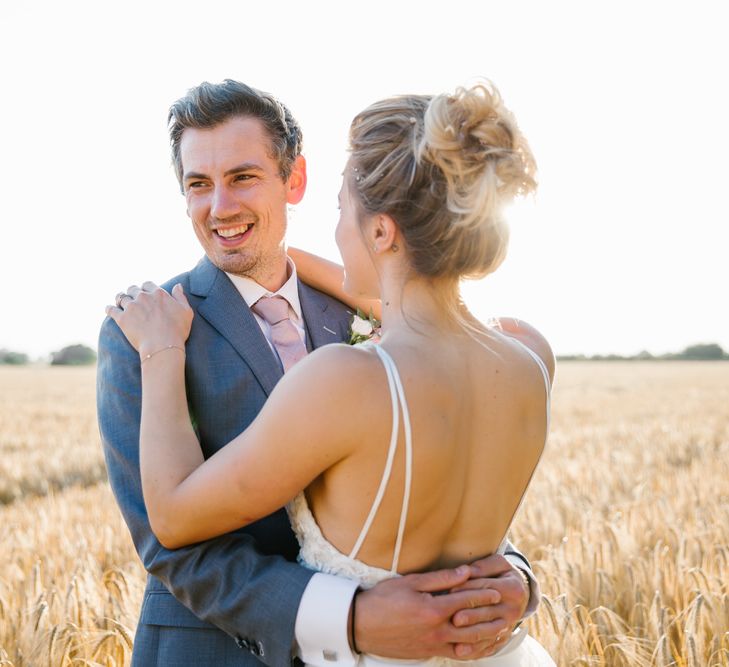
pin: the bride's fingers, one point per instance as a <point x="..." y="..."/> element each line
<point x="133" y="291"/>
<point x="179" y="295"/>
<point x="149" y="286"/>
<point x="113" y="312"/>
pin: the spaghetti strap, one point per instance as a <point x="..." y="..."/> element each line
<point x="408" y="457"/>
<point x="397" y="396"/>
<point x="388" y="466"/>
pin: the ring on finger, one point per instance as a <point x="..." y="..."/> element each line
<point x="119" y="300"/>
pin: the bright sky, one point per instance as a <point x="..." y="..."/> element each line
<point x="624" y="103"/>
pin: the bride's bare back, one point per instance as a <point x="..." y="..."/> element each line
<point x="479" y="420"/>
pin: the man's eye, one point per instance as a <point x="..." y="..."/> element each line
<point x="243" y="177"/>
<point x="195" y="184"/>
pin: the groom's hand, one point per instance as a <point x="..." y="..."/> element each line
<point x="494" y="573"/>
<point x="412" y="616"/>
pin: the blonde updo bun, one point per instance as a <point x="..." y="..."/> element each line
<point x="443" y="167"/>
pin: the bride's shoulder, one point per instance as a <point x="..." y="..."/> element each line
<point x="336" y="365"/>
<point x="345" y="377"/>
<point x="334" y="354"/>
<point x="529" y="336"/>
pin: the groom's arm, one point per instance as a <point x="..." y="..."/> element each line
<point x="226" y="581"/>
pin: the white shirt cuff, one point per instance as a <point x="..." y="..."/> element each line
<point x="321" y="631"/>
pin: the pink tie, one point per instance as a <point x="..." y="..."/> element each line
<point x="284" y="336"/>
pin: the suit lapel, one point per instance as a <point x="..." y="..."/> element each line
<point x="323" y="324"/>
<point x="224" y="309"/>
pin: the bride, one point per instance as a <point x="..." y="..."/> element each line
<point x="405" y="455"/>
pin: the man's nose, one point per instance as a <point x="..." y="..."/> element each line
<point x="224" y="204"/>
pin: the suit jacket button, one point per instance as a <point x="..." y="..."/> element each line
<point x="242" y="643"/>
<point x="260" y="653"/>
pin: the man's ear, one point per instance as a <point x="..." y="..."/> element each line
<point x="296" y="185"/>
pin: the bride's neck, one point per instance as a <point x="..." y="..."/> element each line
<point x="427" y="306"/>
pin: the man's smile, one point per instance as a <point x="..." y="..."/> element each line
<point x="232" y="236"/>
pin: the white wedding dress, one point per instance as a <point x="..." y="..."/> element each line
<point x="319" y="554"/>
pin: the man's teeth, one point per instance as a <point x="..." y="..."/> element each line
<point x="232" y="231"/>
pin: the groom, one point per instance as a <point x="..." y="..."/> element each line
<point x="237" y="155"/>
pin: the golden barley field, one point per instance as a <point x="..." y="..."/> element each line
<point x="627" y="521"/>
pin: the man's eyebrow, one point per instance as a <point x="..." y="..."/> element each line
<point x="193" y="174"/>
<point x="246" y="166"/>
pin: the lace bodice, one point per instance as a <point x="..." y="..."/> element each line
<point x="321" y="555"/>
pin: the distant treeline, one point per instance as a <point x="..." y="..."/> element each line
<point x="700" y="352"/>
<point x="81" y="355"/>
<point x="73" y="355"/>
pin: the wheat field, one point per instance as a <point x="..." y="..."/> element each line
<point x="626" y="523"/>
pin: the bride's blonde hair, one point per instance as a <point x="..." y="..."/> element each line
<point x="443" y="167"/>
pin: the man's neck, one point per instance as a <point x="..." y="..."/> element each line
<point x="272" y="275"/>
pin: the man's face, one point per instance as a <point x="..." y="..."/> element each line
<point x="236" y="198"/>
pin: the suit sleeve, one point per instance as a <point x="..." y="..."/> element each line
<point x="226" y="581"/>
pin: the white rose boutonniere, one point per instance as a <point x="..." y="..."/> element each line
<point x="364" y="328"/>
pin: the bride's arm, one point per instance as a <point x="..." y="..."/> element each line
<point x="328" y="277"/>
<point x="190" y="499"/>
<point x="285" y="448"/>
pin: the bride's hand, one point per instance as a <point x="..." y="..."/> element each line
<point x="151" y="318"/>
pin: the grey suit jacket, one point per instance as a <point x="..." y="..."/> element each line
<point x="245" y="584"/>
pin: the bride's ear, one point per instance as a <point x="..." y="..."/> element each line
<point x="383" y="233"/>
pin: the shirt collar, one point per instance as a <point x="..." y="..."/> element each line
<point x="251" y="291"/>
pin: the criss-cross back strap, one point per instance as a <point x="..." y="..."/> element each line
<point x="397" y="396"/>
